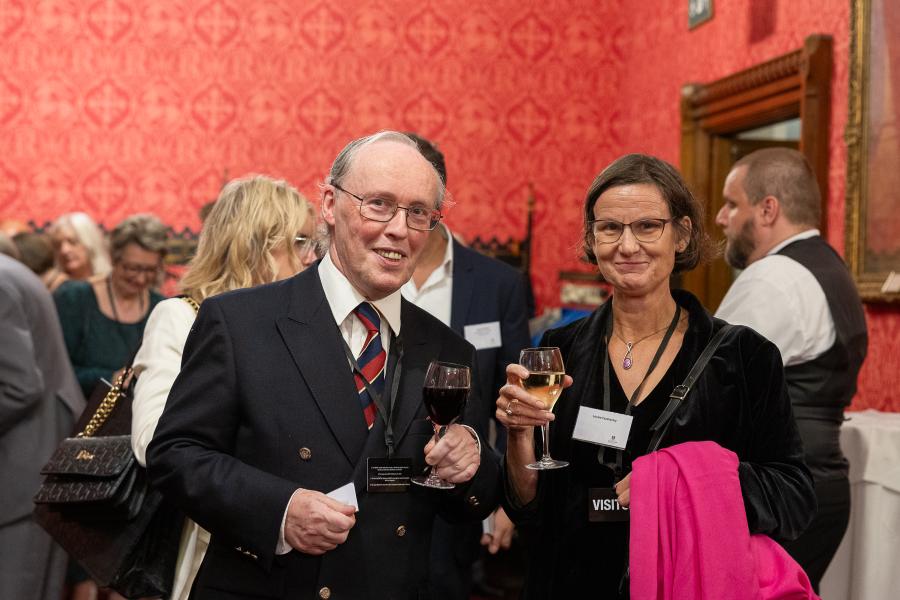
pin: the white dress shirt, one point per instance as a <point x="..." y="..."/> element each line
<point x="343" y="299"/>
<point x="436" y="294"/>
<point x="782" y="300"/>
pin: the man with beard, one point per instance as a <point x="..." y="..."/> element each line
<point x="796" y="290"/>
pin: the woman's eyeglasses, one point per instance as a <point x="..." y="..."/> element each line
<point x="304" y="244"/>
<point x="608" y="231"/>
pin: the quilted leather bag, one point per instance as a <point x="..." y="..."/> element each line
<point x="93" y="478"/>
<point x="96" y="503"/>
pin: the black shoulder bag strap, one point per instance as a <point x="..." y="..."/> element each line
<point x="661" y="427"/>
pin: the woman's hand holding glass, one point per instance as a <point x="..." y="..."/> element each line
<point x="518" y="410"/>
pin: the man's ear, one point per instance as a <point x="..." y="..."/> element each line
<point x="769" y="208"/>
<point x="328" y="200"/>
<point x="684" y="234"/>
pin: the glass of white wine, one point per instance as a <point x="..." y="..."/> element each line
<point x="545" y="380"/>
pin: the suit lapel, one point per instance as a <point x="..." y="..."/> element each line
<point x="463" y="285"/>
<point x="314" y="342"/>
<point x="421" y="345"/>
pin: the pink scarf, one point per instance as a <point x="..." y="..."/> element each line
<point x="689" y="534"/>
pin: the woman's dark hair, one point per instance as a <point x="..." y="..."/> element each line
<point x="634" y="169"/>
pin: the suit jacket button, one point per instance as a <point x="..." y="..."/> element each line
<point x="473" y="500"/>
<point x="325" y="593"/>
<point x="401" y="531"/>
<point x="306" y="454"/>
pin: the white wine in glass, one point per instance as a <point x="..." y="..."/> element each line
<point x="545" y="380"/>
<point x="545" y="385"/>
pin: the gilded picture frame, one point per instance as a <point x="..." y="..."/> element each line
<point x="873" y="149"/>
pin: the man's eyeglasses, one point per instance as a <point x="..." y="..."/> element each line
<point x="383" y="210"/>
<point x="608" y="231"/>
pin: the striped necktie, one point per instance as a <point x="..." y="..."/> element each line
<point x="371" y="361"/>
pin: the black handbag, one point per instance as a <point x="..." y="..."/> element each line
<point x="96" y="503"/>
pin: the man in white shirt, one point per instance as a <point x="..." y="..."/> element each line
<point x="277" y="429"/>
<point x="484" y="300"/>
<point x="795" y="290"/>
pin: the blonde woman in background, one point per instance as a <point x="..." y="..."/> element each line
<point x="260" y="230"/>
<point x="80" y="249"/>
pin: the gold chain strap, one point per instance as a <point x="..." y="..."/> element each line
<point x="192" y="302"/>
<point x="106" y="407"/>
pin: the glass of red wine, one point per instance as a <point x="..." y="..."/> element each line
<point x="444" y="394"/>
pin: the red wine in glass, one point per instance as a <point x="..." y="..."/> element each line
<point x="444" y="404"/>
<point x="444" y="394"/>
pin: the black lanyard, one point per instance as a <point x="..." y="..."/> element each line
<point x="391" y="382"/>
<point x="637" y="392"/>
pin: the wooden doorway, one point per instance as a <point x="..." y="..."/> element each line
<point x="729" y="118"/>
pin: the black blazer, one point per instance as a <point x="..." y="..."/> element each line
<point x="740" y="401"/>
<point x="486" y="290"/>
<point x="265" y="404"/>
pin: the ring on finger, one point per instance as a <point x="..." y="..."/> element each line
<point x="508" y="410"/>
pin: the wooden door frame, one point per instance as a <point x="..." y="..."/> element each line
<point x="797" y="84"/>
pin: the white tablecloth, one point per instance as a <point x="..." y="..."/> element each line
<point x="867" y="563"/>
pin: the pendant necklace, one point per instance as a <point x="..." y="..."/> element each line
<point x="628" y="361"/>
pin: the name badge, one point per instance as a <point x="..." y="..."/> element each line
<point x="483" y="335"/>
<point x="604" y="507"/>
<point x="388" y="474"/>
<point x="602" y="427"/>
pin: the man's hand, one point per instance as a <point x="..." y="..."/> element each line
<point x="316" y="523"/>
<point x="502" y="534"/>
<point x="455" y="457"/>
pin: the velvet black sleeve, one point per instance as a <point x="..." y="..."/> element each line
<point x="775" y="483"/>
<point x="517" y="511"/>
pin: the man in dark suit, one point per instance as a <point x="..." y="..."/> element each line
<point x="39" y="402"/>
<point x="267" y="415"/>
<point x="484" y="300"/>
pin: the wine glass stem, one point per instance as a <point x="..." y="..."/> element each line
<point x="545" y="430"/>
<point x="432" y="475"/>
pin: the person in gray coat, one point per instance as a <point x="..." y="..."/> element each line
<point x="39" y="402"/>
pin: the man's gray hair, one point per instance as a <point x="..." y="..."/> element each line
<point x="344" y="160"/>
<point x="785" y="174"/>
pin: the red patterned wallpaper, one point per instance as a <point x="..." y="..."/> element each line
<point x="115" y="106"/>
<point x="118" y="106"/>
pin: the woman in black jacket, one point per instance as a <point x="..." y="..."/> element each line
<point x="641" y="225"/>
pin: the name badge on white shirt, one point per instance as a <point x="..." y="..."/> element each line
<point x="602" y="427"/>
<point x="483" y="335"/>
